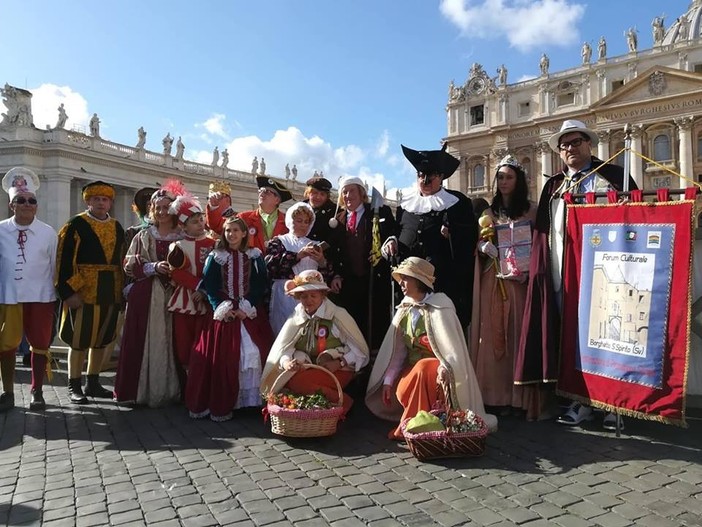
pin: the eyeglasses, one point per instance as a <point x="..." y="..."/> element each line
<point x="22" y="201"/>
<point x="575" y="143"/>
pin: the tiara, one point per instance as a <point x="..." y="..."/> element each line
<point x="510" y="161"/>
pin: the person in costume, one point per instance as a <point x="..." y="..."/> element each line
<point x="140" y="206"/>
<point x="537" y="358"/>
<point x="266" y="221"/>
<point x="500" y="286"/>
<point x="186" y="258"/>
<point x="288" y="255"/>
<point x="318" y="195"/>
<point x="423" y="349"/>
<point x="89" y="283"/>
<point x="438" y="225"/>
<point x="146" y="370"/>
<point x="365" y="290"/>
<point x="318" y="332"/>
<point x="27" y="294"/>
<point x="219" y="206"/>
<point x="225" y="367"/>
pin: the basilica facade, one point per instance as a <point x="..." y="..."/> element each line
<point x="657" y="92"/>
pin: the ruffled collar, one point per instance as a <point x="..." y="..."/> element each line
<point x="415" y="203"/>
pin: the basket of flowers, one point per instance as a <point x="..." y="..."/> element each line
<point x="294" y="415"/>
<point x="454" y="433"/>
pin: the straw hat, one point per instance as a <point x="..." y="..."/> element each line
<point x="309" y="280"/>
<point x="416" y="268"/>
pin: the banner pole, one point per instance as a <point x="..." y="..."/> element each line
<point x="627" y="155"/>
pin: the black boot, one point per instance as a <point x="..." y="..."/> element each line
<point x="76" y="392"/>
<point x="37" y="402"/>
<point x="7" y="401"/>
<point x="94" y="389"/>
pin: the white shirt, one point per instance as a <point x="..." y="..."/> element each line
<point x="27" y="262"/>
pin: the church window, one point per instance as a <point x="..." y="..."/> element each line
<point x="477" y="115"/>
<point x="661" y="148"/>
<point x="524" y="110"/>
<point x="617" y="84"/>
<point x="478" y="176"/>
<point x="564" y="99"/>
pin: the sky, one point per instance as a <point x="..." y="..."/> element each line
<point x="328" y="85"/>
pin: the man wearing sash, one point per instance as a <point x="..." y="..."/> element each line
<point x="537" y="359"/>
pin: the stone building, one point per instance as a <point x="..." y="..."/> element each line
<point x="65" y="160"/>
<point x="658" y="91"/>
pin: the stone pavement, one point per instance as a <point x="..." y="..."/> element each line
<point x="100" y="464"/>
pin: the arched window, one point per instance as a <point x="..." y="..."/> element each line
<point x="478" y="176"/>
<point x="661" y="148"/>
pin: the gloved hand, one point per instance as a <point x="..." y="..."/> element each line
<point x="488" y="248"/>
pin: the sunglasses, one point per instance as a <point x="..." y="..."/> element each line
<point x="575" y="143"/>
<point x="22" y="201"/>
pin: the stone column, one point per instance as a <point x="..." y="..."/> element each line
<point x="603" y="145"/>
<point x="684" y="125"/>
<point x="635" y="162"/>
<point x="502" y="108"/>
<point x="602" y="78"/>
<point x="56" y="192"/>
<point x="544" y="151"/>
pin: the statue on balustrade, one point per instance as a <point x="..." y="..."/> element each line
<point x="658" y="30"/>
<point x="254" y="165"/>
<point x="167" y="144"/>
<point x="586" y="53"/>
<point x="180" y="149"/>
<point x="225" y="158"/>
<point x="215" y="156"/>
<point x="602" y="49"/>
<point x="95" y="125"/>
<point x="502" y="75"/>
<point x="544" y="63"/>
<point x="62" y="117"/>
<point x="287" y="170"/>
<point x="263" y="167"/>
<point x="683" y="28"/>
<point x="142" y="137"/>
<point x="18" y="104"/>
<point x="632" y="40"/>
<point x="294" y="173"/>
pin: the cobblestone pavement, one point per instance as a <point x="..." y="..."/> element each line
<point x="100" y="464"/>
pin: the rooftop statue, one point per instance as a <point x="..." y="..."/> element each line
<point x="658" y="30"/>
<point x="254" y="165"/>
<point x="632" y="40"/>
<point x="586" y="53"/>
<point x="19" y="106"/>
<point x="544" y="63"/>
<point x="142" y="137"/>
<point x="215" y="156"/>
<point x="502" y="75"/>
<point x="180" y="149"/>
<point x="167" y="144"/>
<point x="263" y="167"/>
<point x="95" y="125"/>
<point x="602" y="49"/>
<point x="62" y="117"/>
<point x="225" y="158"/>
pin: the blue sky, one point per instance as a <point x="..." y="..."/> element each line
<point x="333" y="85"/>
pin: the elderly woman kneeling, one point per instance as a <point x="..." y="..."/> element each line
<point x="423" y="349"/>
<point x="318" y="332"/>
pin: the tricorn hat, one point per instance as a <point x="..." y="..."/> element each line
<point x="432" y="161"/>
<point x="277" y="186"/>
<point x="570" y="126"/>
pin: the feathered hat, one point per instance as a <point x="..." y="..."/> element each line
<point x="171" y="189"/>
<point x="185" y="207"/>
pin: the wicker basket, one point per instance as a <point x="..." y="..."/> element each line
<point x="305" y="423"/>
<point x="445" y="444"/>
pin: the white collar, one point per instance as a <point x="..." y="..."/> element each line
<point x="301" y="315"/>
<point x="415" y="203"/>
<point x="23" y="227"/>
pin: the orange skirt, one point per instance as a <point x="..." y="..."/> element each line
<point x="417" y="390"/>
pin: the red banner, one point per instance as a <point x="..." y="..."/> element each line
<point x="627" y="279"/>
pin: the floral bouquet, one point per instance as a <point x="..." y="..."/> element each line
<point x="458" y="421"/>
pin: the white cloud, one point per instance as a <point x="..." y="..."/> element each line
<point x="383" y="144"/>
<point x="526" y="24"/>
<point x="215" y="125"/>
<point x="46" y="100"/>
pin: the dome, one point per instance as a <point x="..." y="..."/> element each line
<point x="686" y="27"/>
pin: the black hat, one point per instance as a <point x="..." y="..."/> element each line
<point x="142" y="198"/>
<point x="279" y="188"/>
<point x="432" y="161"/>
<point x="319" y="183"/>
